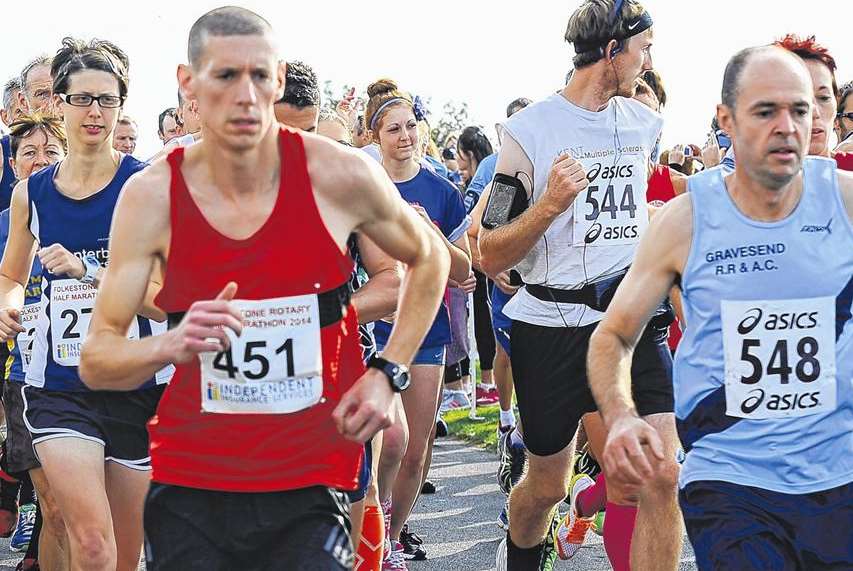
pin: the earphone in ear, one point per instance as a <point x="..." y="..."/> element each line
<point x="617" y="49"/>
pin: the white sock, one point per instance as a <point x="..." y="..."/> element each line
<point x="516" y="438"/>
<point x="507" y="418"/>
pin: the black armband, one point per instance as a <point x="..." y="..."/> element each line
<point x="507" y="200"/>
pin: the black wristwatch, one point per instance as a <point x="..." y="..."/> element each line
<point x="398" y="375"/>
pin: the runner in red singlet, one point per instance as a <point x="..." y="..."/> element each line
<point x="263" y="419"/>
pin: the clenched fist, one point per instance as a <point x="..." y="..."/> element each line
<point x="566" y="180"/>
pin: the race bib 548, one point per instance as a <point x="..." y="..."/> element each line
<point x="779" y="357"/>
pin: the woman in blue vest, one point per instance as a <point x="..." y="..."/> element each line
<point x="93" y="445"/>
<point x="390" y="116"/>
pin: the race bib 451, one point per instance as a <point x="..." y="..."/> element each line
<point x="275" y="366"/>
<point x="779" y="357"/>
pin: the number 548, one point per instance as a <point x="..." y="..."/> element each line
<point x="778" y="364"/>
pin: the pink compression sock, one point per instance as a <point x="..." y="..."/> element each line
<point x="593" y="499"/>
<point x="618" y="529"/>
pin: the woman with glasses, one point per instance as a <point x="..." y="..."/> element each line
<point x="93" y="445"/>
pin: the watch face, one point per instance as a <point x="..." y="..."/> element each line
<point x="401" y="378"/>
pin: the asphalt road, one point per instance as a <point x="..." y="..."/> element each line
<point x="458" y="522"/>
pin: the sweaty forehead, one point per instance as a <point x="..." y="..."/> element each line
<point x="238" y="51"/>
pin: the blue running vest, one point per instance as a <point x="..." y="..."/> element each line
<point x="15" y="368"/>
<point x="83" y="228"/>
<point x="763" y="374"/>
<point x="7" y="180"/>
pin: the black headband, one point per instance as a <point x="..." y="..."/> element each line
<point x="632" y="27"/>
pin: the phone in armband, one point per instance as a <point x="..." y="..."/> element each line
<point x="507" y="200"/>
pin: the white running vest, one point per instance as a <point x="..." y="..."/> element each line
<point x="597" y="236"/>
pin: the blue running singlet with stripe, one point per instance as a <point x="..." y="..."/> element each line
<point x="764" y="374"/>
<point x="83" y="228"/>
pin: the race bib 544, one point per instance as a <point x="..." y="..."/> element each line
<point x="612" y="210"/>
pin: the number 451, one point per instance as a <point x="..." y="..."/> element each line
<point x="254" y="353"/>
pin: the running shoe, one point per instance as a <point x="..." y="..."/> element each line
<point x="598" y="524"/>
<point x="386" y="516"/>
<point x="452" y="400"/>
<point x="549" y="550"/>
<point x="486" y="396"/>
<point x="428" y="487"/>
<point x="413" y="548"/>
<point x="24" y="530"/>
<point x="503" y="518"/>
<point x="395" y="561"/>
<point x="441" y="429"/>
<point x="586" y="464"/>
<point x="500" y="556"/>
<point x="572" y="531"/>
<point x="513" y="459"/>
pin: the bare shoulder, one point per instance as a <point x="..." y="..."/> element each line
<point x="341" y="174"/>
<point x="671" y="231"/>
<point x="145" y="196"/>
<point x="21" y="191"/>
<point x="675" y="218"/>
<point x="845" y="184"/>
<point x="512" y="160"/>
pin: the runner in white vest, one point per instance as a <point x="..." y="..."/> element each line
<point x="578" y="162"/>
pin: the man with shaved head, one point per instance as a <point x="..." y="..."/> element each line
<point x="764" y="399"/>
<point x="264" y="420"/>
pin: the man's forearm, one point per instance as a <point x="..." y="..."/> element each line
<point x="110" y="361"/>
<point x="504" y="247"/>
<point x="421" y="292"/>
<point x="378" y="297"/>
<point x="611" y="385"/>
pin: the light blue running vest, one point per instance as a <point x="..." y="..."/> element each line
<point x="763" y="375"/>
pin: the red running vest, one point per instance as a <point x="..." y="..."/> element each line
<point x="660" y="189"/>
<point x="291" y="254"/>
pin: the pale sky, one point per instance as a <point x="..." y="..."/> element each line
<point x="484" y="52"/>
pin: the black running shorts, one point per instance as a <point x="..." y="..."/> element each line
<point x="20" y="456"/>
<point x="118" y="420"/>
<point x="205" y="530"/>
<point x="549" y="371"/>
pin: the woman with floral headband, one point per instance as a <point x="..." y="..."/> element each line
<point x="391" y="118"/>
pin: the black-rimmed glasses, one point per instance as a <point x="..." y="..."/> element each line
<point x="848" y="115"/>
<point x="84" y="100"/>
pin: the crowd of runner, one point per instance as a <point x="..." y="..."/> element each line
<point x="237" y="352"/>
